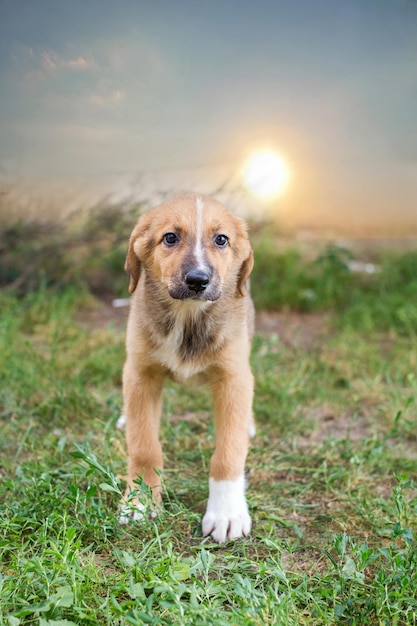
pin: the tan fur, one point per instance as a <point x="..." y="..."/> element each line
<point x="189" y="339"/>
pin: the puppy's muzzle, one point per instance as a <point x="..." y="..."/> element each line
<point x="195" y="284"/>
<point x="197" y="280"/>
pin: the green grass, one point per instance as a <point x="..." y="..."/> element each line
<point x="331" y="474"/>
<point x="382" y="301"/>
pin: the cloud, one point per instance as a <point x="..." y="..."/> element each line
<point x="81" y="63"/>
<point x="51" y="61"/>
<point x="110" y="100"/>
<point x="106" y="94"/>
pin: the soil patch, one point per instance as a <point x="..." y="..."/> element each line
<point x="102" y="314"/>
<point x="296" y="330"/>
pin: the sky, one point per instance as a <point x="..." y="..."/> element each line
<point x="180" y="92"/>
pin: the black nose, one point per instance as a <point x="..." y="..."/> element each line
<point x="197" y="281"/>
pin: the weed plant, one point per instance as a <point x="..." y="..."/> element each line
<point x="87" y="250"/>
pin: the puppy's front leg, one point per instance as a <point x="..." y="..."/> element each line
<point x="142" y="407"/>
<point x="227" y="516"/>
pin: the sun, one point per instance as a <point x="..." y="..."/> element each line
<point x="266" y="174"/>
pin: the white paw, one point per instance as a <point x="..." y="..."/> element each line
<point x="121" y="422"/>
<point x="227" y="516"/>
<point x="135" y="512"/>
<point x="129" y="514"/>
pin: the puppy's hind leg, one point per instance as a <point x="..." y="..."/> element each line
<point x="142" y="407"/>
<point x="252" y="427"/>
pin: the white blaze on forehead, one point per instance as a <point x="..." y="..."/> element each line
<point x="198" y="250"/>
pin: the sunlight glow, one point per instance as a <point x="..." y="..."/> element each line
<point x="266" y="174"/>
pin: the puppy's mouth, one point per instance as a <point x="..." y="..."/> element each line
<point x="195" y="285"/>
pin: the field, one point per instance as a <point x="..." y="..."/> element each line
<point x="331" y="471"/>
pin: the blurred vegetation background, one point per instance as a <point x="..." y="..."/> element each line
<point x="87" y="250"/>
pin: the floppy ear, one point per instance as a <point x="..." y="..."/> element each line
<point x="133" y="261"/>
<point x="245" y="270"/>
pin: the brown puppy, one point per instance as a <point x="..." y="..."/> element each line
<point x="191" y="319"/>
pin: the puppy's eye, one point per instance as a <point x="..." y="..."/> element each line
<point x="221" y="241"/>
<point x="170" y="239"/>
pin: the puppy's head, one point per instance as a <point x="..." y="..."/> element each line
<point x="193" y="247"/>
